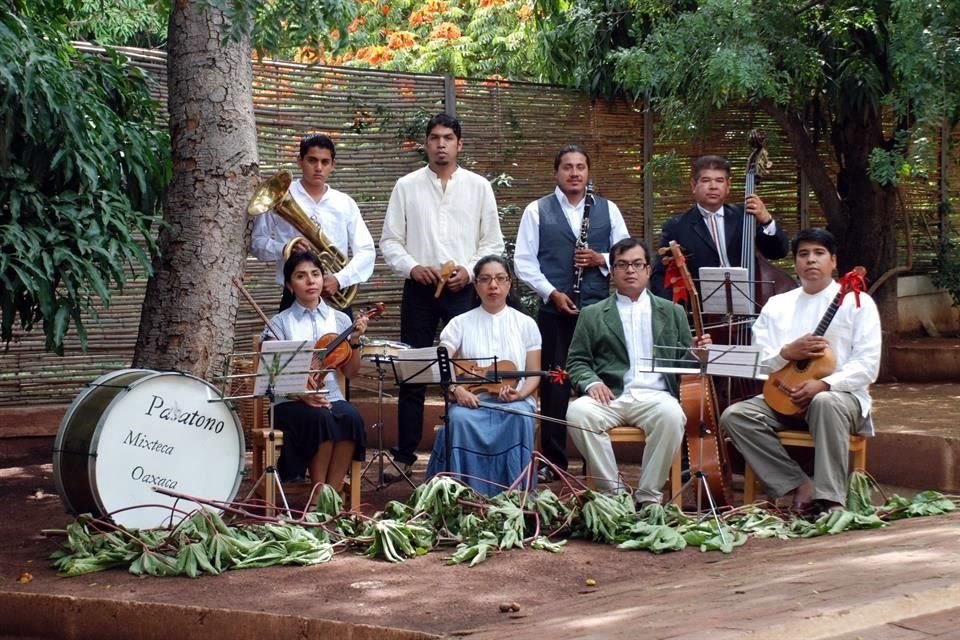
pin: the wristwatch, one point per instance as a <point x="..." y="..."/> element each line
<point x="453" y="388"/>
<point x="355" y="346"/>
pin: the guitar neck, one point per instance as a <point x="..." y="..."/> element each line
<point x="828" y="316"/>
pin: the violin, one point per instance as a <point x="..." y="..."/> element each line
<point x="706" y="447"/>
<point x="488" y="377"/>
<point x="338" y="349"/>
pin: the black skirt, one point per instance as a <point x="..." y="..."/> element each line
<point x="305" y="428"/>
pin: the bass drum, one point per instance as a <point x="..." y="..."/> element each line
<point x="135" y="429"/>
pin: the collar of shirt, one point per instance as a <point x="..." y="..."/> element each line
<point x="624" y="301"/>
<point x="301" y="311"/>
<point x="565" y="203"/>
<point x="300" y="190"/>
<point x="436" y="177"/>
<point x="707" y="214"/>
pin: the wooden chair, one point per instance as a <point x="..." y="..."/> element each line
<point x="637" y="435"/>
<point x="858" y="449"/>
<point x="266" y="446"/>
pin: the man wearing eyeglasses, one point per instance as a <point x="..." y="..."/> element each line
<point x="615" y="346"/>
<point x="546" y="258"/>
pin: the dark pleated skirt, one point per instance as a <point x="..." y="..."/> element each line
<point x="305" y="428"/>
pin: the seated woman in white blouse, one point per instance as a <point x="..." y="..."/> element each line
<point x="490" y="448"/>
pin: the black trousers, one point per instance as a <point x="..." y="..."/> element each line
<point x="556" y="330"/>
<point x="420" y="313"/>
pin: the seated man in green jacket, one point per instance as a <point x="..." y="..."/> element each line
<point x="611" y="359"/>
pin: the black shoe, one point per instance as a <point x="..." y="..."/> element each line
<point x="405" y="469"/>
<point x="546" y="475"/>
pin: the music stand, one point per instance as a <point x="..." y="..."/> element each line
<point x="675" y="366"/>
<point x="380" y="454"/>
<point x="283" y="368"/>
<point x="433" y="366"/>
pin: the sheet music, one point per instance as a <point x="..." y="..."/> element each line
<point x="735" y="361"/>
<point x="289" y="361"/>
<point x="418" y="366"/>
<point x="713" y="291"/>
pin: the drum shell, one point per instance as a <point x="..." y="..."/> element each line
<point x="83" y="460"/>
<point x="382" y="349"/>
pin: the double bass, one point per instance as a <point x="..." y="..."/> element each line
<point x="769" y="279"/>
<point x="706" y="448"/>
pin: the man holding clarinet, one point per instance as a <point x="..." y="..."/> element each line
<point x="562" y="254"/>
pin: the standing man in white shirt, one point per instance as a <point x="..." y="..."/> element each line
<point x="836" y="405"/>
<point x="436" y="214"/>
<point x="333" y="211"/>
<point x="546" y="258"/>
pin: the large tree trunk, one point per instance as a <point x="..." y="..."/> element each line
<point x="190" y="307"/>
<point x="860" y="212"/>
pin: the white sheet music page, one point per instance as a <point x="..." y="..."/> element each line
<point x="289" y="363"/>
<point x="419" y="366"/>
<point x="735" y="361"/>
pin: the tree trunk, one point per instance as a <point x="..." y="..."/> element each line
<point x="188" y="314"/>
<point x="860" y="213"/>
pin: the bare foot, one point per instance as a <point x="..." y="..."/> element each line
<point x="803" y="496"/>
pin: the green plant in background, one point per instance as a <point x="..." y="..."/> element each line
<point x="82" y="170"/>
<point x="946" y="274"/>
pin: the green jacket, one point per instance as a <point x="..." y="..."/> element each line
<point x="598" y="350"/>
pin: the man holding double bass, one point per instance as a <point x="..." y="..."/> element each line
<point x="711" y="232"/>
<point x="788" y="331"/>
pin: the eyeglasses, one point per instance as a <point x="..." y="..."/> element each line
<point x="501" y="278"/>
<point x="622" y="265"/>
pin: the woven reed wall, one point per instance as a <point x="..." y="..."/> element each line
<point x="376" y="119"/>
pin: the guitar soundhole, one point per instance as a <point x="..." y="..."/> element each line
<point x="802" y="365"/>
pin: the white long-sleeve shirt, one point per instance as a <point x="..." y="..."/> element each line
<point x="428" y="225"/>
<point x="525" y="261"/>
<point x="338" y="217"/>
<point x="854" y="335"/>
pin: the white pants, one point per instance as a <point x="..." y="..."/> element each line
<point x="656" y="412"/>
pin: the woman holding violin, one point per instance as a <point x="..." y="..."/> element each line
<point x="490" y="448"/>
<point x="322" y="432"/>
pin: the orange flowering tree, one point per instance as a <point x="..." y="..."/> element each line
<point x="477" y="38"/>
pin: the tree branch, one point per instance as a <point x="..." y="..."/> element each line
<point x="805" y="152"/>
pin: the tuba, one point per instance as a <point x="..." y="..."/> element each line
<point x="273" y="194"/>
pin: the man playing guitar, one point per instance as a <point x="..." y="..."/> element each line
<point x="831" y="407"/>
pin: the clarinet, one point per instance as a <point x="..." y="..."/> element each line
<point x="582" y="242"/>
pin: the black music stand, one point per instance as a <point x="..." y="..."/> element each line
<point x="380" y="454"/>
<point x="443" y="375"/>
<point x="700" y="477"/>
<point x="284" y="368"/>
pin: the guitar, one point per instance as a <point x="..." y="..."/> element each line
<point x="706" y="447"/>
<point x="777" y="388"/>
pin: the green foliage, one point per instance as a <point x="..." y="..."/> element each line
<point x="445" y="511"/>
<point x="82" y="168"/>
<point x="946" y="273"/>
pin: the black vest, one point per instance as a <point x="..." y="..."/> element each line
<point x="557" y="245"/>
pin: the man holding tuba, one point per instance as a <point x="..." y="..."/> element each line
<point x="331" y="217"/>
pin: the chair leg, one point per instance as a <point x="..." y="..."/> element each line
<point x="675" y="482"/>
<point x="860" y="457"/>
<point x="355" y="482"/>
<point x="749" y="485"/>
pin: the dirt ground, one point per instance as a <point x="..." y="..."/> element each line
<point x="422" y="594"/>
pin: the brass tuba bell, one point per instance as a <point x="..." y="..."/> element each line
<point x="274" y="194"/>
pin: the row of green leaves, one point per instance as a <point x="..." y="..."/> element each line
<point x="444" y="512"/>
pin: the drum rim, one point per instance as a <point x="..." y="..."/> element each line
<point x="66" y="421"/>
